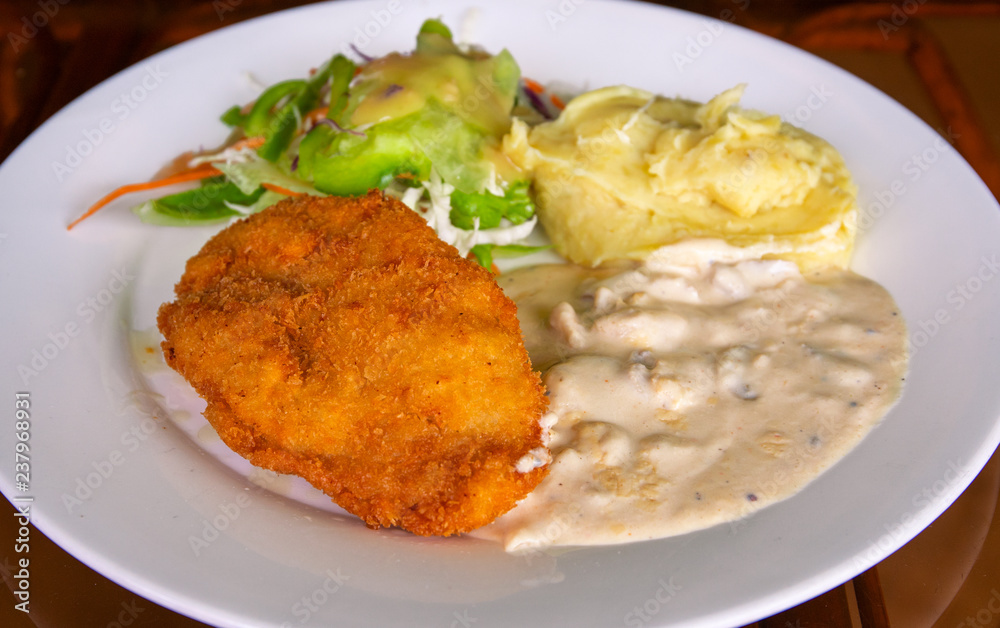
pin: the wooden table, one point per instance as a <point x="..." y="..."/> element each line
<point x="942" y="60"/>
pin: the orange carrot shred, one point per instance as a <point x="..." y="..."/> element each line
<point x="534" y="86"/>
<point x="557" y="101"/>
<point x="315" y="115"/>
<point x="249" y="142"/>
<point x="197" y="173"/>
<point x="279" y="189"/>
<point x="202" y="172"/>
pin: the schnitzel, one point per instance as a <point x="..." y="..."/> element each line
<point x="340" y="340"/>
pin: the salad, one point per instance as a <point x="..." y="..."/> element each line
<point x="425" y="127"/>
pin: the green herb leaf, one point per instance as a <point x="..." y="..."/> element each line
<point x="515" y="205"/>
<point x="484" y="255"/>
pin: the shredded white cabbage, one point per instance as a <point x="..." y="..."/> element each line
<point x="255" y="82"/>
<point x="411" y="197"/>
<point x="468" y="30"/>
<point x="248" y="175"/>
<point x="433" y="201"/>
<point x="492" y="186"/>
<point x="509" y="233"/>
<point x="228" y="155"/>
<point x="243" y="210"/>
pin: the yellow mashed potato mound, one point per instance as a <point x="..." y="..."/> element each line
<point x="622" y="172"/>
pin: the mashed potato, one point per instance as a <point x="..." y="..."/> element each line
<point x="622" y="172"/>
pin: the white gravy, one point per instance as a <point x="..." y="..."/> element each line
<point x="695" y="389"/>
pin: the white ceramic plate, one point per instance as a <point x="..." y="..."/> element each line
<point x="156" y="506"/>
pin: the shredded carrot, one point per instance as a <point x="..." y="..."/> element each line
<point x="557" y="101"/>
<point x="248" y="142"/>
<point x="315" y="115"/>
<point x="279" y="189"/>
<point x="202" y="172"/>
<point x="534" y="86"/>
<point x="196" y="173"/>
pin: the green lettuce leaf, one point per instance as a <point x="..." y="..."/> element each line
<point x="201" y="205"/>
<point x="515" y="205"/>
<point x="249" y="176"/>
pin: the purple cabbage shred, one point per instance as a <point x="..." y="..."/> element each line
<point x="334" y="125"/>
<point x="358" y="52"/>
<point x="537" y="103"/>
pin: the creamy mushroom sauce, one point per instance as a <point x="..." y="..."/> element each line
<point x="695" y="389"/>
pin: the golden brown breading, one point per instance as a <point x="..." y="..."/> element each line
<point x="342" y="341"/>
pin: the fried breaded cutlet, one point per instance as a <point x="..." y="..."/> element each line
<point x="340" y="340"/>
